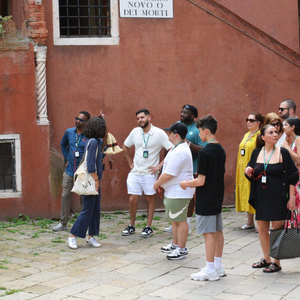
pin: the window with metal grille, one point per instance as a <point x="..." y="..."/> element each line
<point x="10" y="165"/>
<point x="84" y="18"/>
<point x="7" y="165"/>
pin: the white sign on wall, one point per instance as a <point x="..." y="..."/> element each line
<point x="146" y="8"/>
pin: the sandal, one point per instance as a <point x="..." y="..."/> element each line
<point x="261" y="264"/>
<point x="247" y="227"/>
<point x="272" y="268"/>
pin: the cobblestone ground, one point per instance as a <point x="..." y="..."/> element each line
<point x="35" y="263"/>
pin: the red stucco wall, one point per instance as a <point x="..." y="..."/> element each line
<point x="18" y="107"/>
<point x="277" y="18"/>
<point x="162" y="64"/>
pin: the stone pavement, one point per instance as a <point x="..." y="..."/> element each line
<point x="36" y="263"/>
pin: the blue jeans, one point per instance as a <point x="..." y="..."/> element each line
<point x="89" y="218"/>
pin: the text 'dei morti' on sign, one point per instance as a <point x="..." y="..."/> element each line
<point x="146" y="8"/>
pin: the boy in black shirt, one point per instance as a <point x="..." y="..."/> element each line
<point x="209" y="198"/>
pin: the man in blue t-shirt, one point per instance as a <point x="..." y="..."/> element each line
<point x="187" y="116"/>
<point x="72" y="146"/>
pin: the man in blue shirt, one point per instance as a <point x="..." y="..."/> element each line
<point x="72" y="146"/>
<point x="187" y="116"/>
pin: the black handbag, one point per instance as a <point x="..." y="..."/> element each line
<point x="285" y="242"/>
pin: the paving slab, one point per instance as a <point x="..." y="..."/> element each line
<point x="35" y="263"/>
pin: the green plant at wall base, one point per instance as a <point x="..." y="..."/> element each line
<point x="3" y="19"/>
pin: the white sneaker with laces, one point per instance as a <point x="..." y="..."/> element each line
<point x="168" y="229"/>
<point x="205" y="275"/>
<point x="221" y="272"/>
<point x="72" y="243"/>
<point x="92" y="241"/>
<point x="177" y="254"/>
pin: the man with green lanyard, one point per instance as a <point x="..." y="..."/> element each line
<point x="72" y="146"/>
<point x="148" y="141"/>
<point x="187" y="116"/>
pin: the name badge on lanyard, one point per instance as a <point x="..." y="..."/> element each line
<point x="146" y="152"/>
<point x="77" y="154"/>
<point x="242" y="152"/>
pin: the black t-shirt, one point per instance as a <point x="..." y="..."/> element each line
<point x="211" y="164"/>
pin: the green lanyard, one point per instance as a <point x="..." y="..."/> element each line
<point x="211" y="141"/>
<point x="248" y="138"/>
<point x="266" y="164"/>
<point x="146" y="143"/>
<point x="77" y="140"/>
<point x="176" y="145"/>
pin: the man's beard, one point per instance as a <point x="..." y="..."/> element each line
<point x="145" y="125"/>
<point x="286" y="116"/>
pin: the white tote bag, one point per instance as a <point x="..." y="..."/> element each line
<point x="84" y="182"/>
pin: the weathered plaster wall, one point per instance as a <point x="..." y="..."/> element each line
<point x="162" y="64"/>
<point x="277" y="18"/>
<point x="18" y="107"/>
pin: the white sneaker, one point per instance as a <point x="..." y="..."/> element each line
<point x="205" y="275"/>
<point x="169" y="248"/>
<point x="178" y="254"/>
<point x="92" y="241"/>
<point x="72" y="243"/>
<point x="168" y="229"/>
<point x="59" y="227"/>
<point x="221" y="272"/>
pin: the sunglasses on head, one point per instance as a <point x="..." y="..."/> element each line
<point x="80" y="120"/>
<point x="250" y="120"/>
<point x="282" y="108"/>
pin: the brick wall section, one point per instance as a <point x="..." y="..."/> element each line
<point x="35" y="22"/>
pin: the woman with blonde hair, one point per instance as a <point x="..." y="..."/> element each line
<point x="273" y="119"/>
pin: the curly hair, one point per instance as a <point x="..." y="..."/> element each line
<point x="95" y="128"/>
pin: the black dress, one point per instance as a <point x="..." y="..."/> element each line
<point x="268" y="203"/>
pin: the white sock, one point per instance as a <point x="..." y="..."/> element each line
<point x="218" y="262"/>
<point x="189" y="220"/>
<point x="174" y="244"/>
<point x="210" y="266"/>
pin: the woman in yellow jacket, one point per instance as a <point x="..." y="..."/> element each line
<point x="242" y="191"/>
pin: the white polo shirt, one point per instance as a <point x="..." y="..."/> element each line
<point x="178" y="163"/>
<point x="153" y="141"/>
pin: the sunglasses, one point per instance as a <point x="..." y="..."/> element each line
<point x="251" y="120"/>
<point x="276" y="124"/>
<point x="282" y="108"/>
<point x="80" y="120"/>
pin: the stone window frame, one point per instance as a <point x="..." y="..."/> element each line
<point x="17" y="168"/>
<point x="113" y="40"/>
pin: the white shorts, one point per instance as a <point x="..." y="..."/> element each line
<point x="137" y="184"/>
